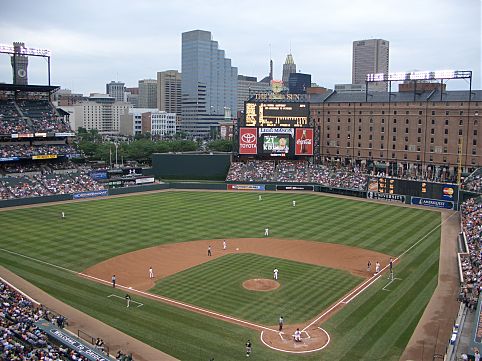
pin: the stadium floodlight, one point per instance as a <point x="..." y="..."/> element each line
<point x="9" y="49"/>
<point x="420" y="75"/>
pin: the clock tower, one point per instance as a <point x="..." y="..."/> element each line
<point x="19" y="65"/>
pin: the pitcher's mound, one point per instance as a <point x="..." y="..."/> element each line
<point x="260" y="284"/>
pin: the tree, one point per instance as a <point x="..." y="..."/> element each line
<point x="221" y="145"/>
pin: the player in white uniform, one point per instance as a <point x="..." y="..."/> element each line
<point x="275" y="273"/>
<point x="151" y="272"/>
<point x="294" y="203"/>
<point x="266" y="232"/>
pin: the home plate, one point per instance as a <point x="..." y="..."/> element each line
<point x="130" y="288"/>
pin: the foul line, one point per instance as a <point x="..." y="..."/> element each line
<point x="122" y="298"/>
<point x="374" y="278"/>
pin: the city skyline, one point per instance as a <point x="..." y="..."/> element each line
<point x="87" y="54"/>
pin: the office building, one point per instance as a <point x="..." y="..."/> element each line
<point x="137" y="121"/>
<point x="169" y="92"/>
<point x="247" y="87"/>
<point x="100" y="112"/>
<point x="289" y="67"/>
<point x="298" y="83"/>
<point x="418" y="133"/>
<point x="116" y="90"/>
<point x="148" y="93"/>
<point x="370" y="57"/>
<point x="209" y="84"/>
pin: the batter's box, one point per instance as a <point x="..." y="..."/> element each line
<point x="132" y="301"/>
<point x="389" y="283"/>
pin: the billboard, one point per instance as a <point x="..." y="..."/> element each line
<point x="277" y="114"/>
<point x="435" y="203"/>
<point x="304" y="141"/>
<point x="248" y="141"/>
<point x="295" y="188"/>
<point x="246" y="187"/>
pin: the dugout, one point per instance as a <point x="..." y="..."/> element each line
<point x="191" y="166"/>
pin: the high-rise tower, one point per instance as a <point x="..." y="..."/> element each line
<point x="370" y="57"/>
<point x="19" y="65"/>
<point x="289" y="67"/>
<point x="208" y="85"/>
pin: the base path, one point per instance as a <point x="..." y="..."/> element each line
<point x="113" y="338"/>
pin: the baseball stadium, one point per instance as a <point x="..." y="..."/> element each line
<point x="269" y="252"/>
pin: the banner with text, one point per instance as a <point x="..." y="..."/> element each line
<point x="248" y="141"/>
<point x="92" y="194"/>
<point x="246" y="187"/>
<point x="304" y="141"/>
<point x="427" y="202"/>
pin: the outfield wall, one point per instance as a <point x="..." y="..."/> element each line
<point x="191" y="166"/>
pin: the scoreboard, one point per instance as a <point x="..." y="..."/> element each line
<point x="277" y="114"/>
<point x="439" y="191"/>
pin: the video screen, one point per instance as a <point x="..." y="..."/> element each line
<point x="276" y="143"/>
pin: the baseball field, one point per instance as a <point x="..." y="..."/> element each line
<point x="199" y="307"/>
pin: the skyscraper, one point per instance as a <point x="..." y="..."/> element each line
<point x="116" y="90"/>
<point x="370" y="57"/>
<point x="169" y="92"/>
<point x="289" y="67"/>
<point x="148" y="93"/>
<point x="209" y="83"/>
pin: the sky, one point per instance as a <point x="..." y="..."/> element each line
<point x="96" y="41"/>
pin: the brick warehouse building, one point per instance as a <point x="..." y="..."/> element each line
<point x="410" y="130"/>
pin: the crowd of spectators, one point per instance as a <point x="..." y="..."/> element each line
<point x="23" y="150"/>
<point x="335" y="176"/>
<point x="46" y="184"/>
<point x="20" y="339"/>
<point x="29" y="116"/>
<point x="473" y="183"/>
<point x="471" y="217"/>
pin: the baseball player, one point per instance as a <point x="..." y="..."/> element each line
<point x="113" y="281"/>
<point x="297" y="335"/>
<point x="294" y="203"/>
<point x="377" y="267"/>
<point x="275" y="274"/>
<point x="391" y="269"/>
<point x="266" y="232"/>
<point x="209" y="251"/>
<point x="259" y="198"/>
<point x="280" y="323"/>
<point x="63" y="215"/>
<point x="369" y="265"/>
<point x="248" y="348"/>
<point x="151" y="273"/>
<point x="128" y="300"/>
<point x="225" y="245"/>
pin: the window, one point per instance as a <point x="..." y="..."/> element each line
<point x="446" y="131"/>
<point x="394" y="120"/>
<point x="383" y="120"/>
<point x="475" y="131"/>
<point x="370" y="145"/>
<point x="382" y="137"/>
<point x="371" y="129"/>
<point x="370" y="137"/>
<point x="433" y="112"/>
<point x="460" y="131"/>
<point x="393" y="146"/>
<point x="381" y="154"/>
<point x="405" y="156"/>
<point x="406" y="130"/>
<point x="371" y="120"/>
<point x="406" y="121"/>
<point x="359" y="136"/>
<point x="407" y="112"/>
<point x="432" y="131"/>
<point x="359" y="145"/>
<point x="446" y="122"/>
<point x="394" y="129"/>
<point x="418" y="156"/>
<point x="431" y="140"/>
<point x="406" y="139"/>
<point x="383" y="112"/>
<point x="419" y="130"/>
<point x="394" y="138"/>
<point x="461" y="112"/>
<point x="461" y="122"/>
<point x="445" y="149"/>
<point x="393" y="155"/>
<point x="419" y="139"/>
<point x="433" y="121"/>
<point x="446" y="141"/>
<point x="395" y="112"/>
<point x="447" y="112"/>
<point x="383" y="129"/>
<point x="327" y="127"/>
<point x="474" y="142"/>
<point x="420" y="112"/>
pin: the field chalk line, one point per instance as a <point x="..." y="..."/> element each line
<point x="295" y="352"/>
<point x="389" y="283"/>
<point x="147" y="294"/>
<point x="132" y="301"/>
<point x="363" y="286"/>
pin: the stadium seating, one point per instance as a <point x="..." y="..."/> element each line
<point x="473" y="183"/>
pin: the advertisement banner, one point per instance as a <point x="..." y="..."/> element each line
<point x="304" y="141"/>
<point x="145" y="180"/>
<point x="448" y="192"/>
<point x="65" y="134"/>
<point x="386" y="197"/>
<point x="44" y="156"/>
<point x="427" y="202"/>
<point x="8" y="159"/>
<point x="295" y="188"/>
<point x="96" y="175"/>
<point x="74" y="343"/>
<point x="248" y="141"/>
<point x="246" y="187"/>
<point x="91" y="194"/>
<point x="41" y="135"/>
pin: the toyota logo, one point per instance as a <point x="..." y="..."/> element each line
<point x="248" y="138"/>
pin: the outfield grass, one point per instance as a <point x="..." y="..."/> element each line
<point x="376" y="325"/>
<point x="217" y="285"/>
